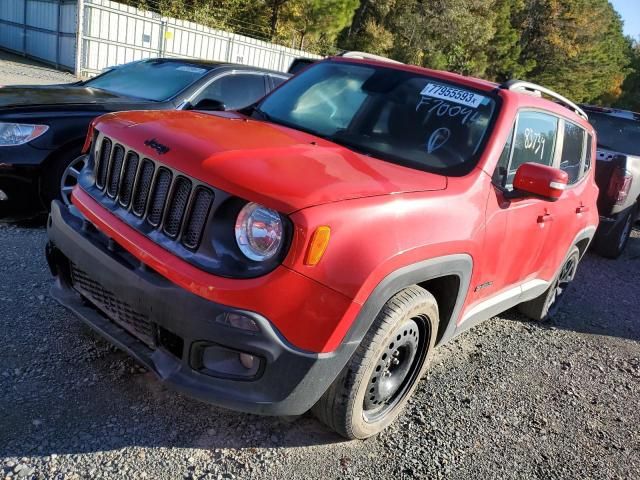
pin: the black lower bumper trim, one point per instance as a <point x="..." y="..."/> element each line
<point x="290" y="381"/>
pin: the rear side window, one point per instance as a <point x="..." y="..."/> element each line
<point x="534" y="142"/>
<point x="588" y="158"/>
<point x="572" y="151"/>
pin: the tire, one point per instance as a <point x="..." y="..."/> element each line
<point x="54" y="174"/>
<point x="396" y="351"/>
<point x="615" y="241"/>
<point x="545" y="307"/>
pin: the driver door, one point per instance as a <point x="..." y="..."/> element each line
<point x="518" y="237"/>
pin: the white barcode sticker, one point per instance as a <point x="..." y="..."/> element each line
<point x="451" y="94"/>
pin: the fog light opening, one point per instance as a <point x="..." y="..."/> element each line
<point x="248" y="361"/>
<point x="218" y="360"/>
<point x="3" y="196"/>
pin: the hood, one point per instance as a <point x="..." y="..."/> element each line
<point x="276" y="166"/>
<point x="58" y="95"/>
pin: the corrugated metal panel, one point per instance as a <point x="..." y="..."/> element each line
<point x="12" y="11"/>
<point x="41" y="45"/>
<point x="68" y="19"/>
<point x="42" y="15"/>
<point x="43" y="29"/>
<point x="11" y="37"/>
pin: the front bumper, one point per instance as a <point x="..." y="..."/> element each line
<point x="20" y="189"/>
<point x="289" y="381"/>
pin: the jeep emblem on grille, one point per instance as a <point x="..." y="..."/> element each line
<point x="157" y="146"/>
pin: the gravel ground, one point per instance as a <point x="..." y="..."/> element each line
<point x="19" y="70"/>
<point x="509" y="399"/>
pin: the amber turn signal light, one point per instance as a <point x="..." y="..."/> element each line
<point x="317" y="246"/>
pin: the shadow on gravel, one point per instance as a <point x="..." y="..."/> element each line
<point x="601" y="297"/>
<point x="100" y="400"/>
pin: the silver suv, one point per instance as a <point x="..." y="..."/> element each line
<point x="617" y="176"/>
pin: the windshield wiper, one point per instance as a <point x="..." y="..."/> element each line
<point x="251" y="109"/>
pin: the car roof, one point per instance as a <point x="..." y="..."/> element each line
<point x="614" y="112"/>
<point x="214" y="64"/>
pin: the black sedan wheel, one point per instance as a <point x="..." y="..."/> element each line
<point x="70" y="177"/>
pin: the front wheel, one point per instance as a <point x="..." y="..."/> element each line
<point x="546" y="306"/>
<point x="376" y="383"/>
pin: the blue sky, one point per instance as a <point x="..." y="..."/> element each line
<point x="630" y="11"/>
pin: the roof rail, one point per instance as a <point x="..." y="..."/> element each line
<point x="367" y="56"/>
<point x="519" y="85"/>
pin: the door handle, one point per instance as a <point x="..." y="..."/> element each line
<point x="547" y="217"/>
<point x="582" y="209"/>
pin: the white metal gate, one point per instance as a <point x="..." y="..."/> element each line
<point x="42" y="29"/>
<point x="111" y="33"/>
<point x="86" y="36"/>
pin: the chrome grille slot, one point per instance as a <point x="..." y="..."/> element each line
<point x="143" y="187"/>
<point x="115" y="170"/>
<point x="177" y="206"/>
<point x="158" y="198"/>
<point x="197" y="217"/>
<point x="128" y="178"/>
<point x="166" y="202"/>
<point x="103" y="163"/>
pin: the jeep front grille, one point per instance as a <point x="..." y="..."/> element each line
<point x="166" y="200"/>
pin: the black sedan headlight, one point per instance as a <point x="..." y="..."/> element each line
<point x="13" y="134"/>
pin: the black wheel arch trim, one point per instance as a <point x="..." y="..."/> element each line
<point x="460" y="265"/>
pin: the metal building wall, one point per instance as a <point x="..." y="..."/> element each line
<point x="113" y="33"/>
<point x="42" y="29"/>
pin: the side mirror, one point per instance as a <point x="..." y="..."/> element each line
<point x="540" y="181"/>
<point x="209" y="104"/>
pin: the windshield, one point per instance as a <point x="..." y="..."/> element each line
<point x="403" y="117"/>
<point x="618" y="134"/>
<point x="155" y="80"/>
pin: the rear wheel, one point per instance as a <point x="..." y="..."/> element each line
<point x="546" y="306"/>
<point x="612" y="244"/>
<point x="375" y="385"/>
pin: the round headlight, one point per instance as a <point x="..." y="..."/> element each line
<point x="259" y="232"/>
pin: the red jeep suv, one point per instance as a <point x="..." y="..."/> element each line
<point x="310" y="251"/>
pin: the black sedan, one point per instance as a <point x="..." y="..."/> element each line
<point x="43" y="128"/>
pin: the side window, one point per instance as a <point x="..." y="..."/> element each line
<point x="236" y="90"/>
<point x="588" y="159"/>
<point x="572" y="151"/>
<point x="534" y="141"/>
<point x="500" y="174"/>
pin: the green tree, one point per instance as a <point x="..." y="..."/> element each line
<point x="578" y="47"/>
<point x="504" y="49"/>
<point x="443" y="34"/>
<point x="320" y="19"/>
<point x="368" y="32"/>
<point x="630" y="98"/>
